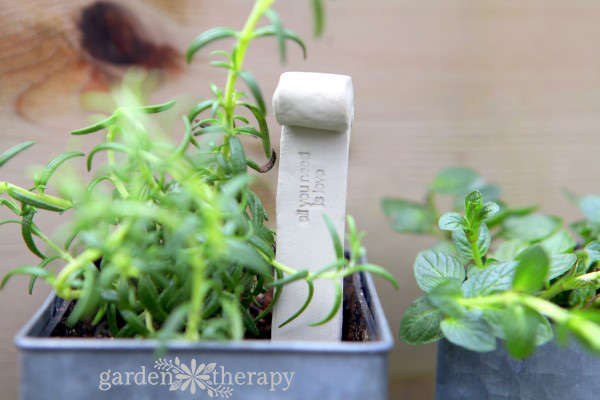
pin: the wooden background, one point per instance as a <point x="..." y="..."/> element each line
<point x="510" y="87"/>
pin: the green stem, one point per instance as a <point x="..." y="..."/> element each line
<point x="198" y="294"/>
<point x="476" y="253"/>
<point x="110" y="137"/>
<point x="260" y="7"/>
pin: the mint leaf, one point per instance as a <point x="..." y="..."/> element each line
<point x="493" y="278"/>
<point x="407" y="216"/>
<point x="593" y="250"/>
<point x="560" y="264"/>
<point x="473" y="206"/>
<point x="488" y="210"/>
<point x="432" y="266"/>
<point x="510" y="249"/>
<point x="532" y="270"/>
<point x="452" y="221"/>
<point x="559" y="243"/>
<point x="531" y="227"/>
<point x="444" y="298"/>
<point x="590" y="207"/>
<point x="581" y="297"/>
<point x="495" y="318"/>
<point x="472" y="334"/>
<point x="421" y="323"/>
<point x="520" y="327"/>
<point x="456" y="181"/>
<point x="463" y="246"/>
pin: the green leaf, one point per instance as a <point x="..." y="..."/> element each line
<point x="27" y="231"/>
<point x="593" y="250"/>
<point x="53" y="165"/>
<point x="373" y="269"/>
<point x="407" y="216"/>
<point x="208" y="37"/>
<point x="452" y="221"/>
<point x="559" y="243"/>
<point x="263" y="127"/>
<point x="105" y="123"/>
<point x="496" y="317"/>
<point x="288" y="279"/>
<point x="157" y="108"/>
<point x="238" y="157"/>
<point x="456" y="181"/>
<point x="270" y="31"/>
<point x="590" y="206"/>
<point x="13" y="151"/>
<point x="560" y="264"/>
<point x="43" y="264"/>
<point x="473" y="207"/>
<point x="26" y="198"/>
<point x="472" y="334"/>
<point x="510" y="249"/>
<point x="493" y="278"/>
<point x="134" y="321"/>
<point x="532" y="270"/>
<point x="581" y="297"/>
<point x="336" y="306"/>
<point x="505" y="213"/>
<point x="445" y="296"/>
<point x="108" y="146"/>
<point x="247" y="256"/>
<point x="531" y="227"/>
<point x="318" y="16"/>
<point x="421" y="323"/>
<point x="463" y="246"/>
<point x="311" y="290"/>
<point x="520" y="327"/>
<point x="337" y="242"/>
<point x="488" y="210"/>
<point x="198" y="109"/>
<point x="33" y="271"/>
<point x="279" y="33"/>
<point x="148" y="296"/>
<point x="250" y="80"/>
<point x="433" y="267"/>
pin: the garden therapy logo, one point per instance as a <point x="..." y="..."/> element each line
<point x="197" y="377"/>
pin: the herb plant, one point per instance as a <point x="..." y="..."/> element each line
<point x="500" y="272"/>
<point x="168" y="240"/>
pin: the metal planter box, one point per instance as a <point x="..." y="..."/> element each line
<point x="553" y="372"/>
<point x="83" y="368"/>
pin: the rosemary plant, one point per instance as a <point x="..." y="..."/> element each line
<point x="500" y="272"/>
<point x="168" y="240"/>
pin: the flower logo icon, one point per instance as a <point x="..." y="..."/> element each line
<point x="192" y="377"/>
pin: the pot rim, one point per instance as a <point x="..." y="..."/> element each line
<point x="381" y="344"/>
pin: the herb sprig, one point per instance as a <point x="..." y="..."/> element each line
<point x="500" y="272"/>
<point x="168" y="240"/>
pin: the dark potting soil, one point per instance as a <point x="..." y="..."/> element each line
<point x="357" y="317"/>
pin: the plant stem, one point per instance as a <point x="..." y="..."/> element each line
<point x="476" y="253"/>
<point x="260" y="7"/>
<point x="198" y="292"/>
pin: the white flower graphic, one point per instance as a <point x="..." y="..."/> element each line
<point x="192" y="377"/>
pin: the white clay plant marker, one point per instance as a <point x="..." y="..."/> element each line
<point x="316" y="112"/>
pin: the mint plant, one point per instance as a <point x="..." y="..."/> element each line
<point x="168" y="240"/>
<point x="499" y="272"/>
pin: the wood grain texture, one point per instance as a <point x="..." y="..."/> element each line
<point x="507" y="86"/>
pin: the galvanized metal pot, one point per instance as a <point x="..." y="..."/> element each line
<point x="551" y="373"/>
<point x="93" y="369"/>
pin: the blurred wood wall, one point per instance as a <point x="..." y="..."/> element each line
<point x="510" y="87"/>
